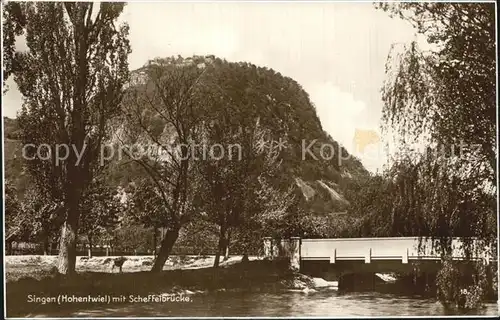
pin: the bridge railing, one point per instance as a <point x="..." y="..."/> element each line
<point x="404" y="248"/>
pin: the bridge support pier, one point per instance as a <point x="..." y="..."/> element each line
<point x="294" y="253"/>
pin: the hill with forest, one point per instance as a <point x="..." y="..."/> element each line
<point x="280" y="104"/>
<point x="14" y="165"/>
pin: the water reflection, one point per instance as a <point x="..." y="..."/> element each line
<point x="318" y="304"/>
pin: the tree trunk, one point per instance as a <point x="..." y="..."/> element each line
<point x="9" y="247"/>
<point x="166" y="247"/>
<point x="226" y="251"/>
<point x="155" y="241"/>
<point x="46" y="246"/>
<point x="217" y="257"/>
<point x="244" y="259"/>
<point x="221" y="247"/>
<point x="90" y="246"/>
<point x="67" y="248"/>
<point x="226" y="246"/>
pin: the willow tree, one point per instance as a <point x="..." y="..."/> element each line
<point x="444" y="95"/>
<point x="447" y="91"/>
<point x="71" y="78"/>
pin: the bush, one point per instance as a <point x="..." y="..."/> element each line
<point x="456" y="289"/>
<point x="447" y="281"/>
<point x="147" y="263"/>
<point x="133" y="238"/>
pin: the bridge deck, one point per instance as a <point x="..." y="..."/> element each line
<point x="367" y="249"/>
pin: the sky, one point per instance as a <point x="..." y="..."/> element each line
<point x="336" y="51"/>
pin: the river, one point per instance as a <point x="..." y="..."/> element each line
<point x="318" y="304"/>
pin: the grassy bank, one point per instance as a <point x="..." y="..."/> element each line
<point x="37" y="278"/>
<point x="18" y="266"/>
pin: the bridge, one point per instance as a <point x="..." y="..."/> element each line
<point x="331" y="258"/>
<point x="402" y="249"/>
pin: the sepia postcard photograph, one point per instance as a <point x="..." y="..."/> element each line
<point x="249" y="159"/>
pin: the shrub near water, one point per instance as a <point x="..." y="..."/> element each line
<point x="453" y="289"/>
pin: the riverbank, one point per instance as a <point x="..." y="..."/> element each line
<point x="18" y="266"/>
<point x="33" y="285"/>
